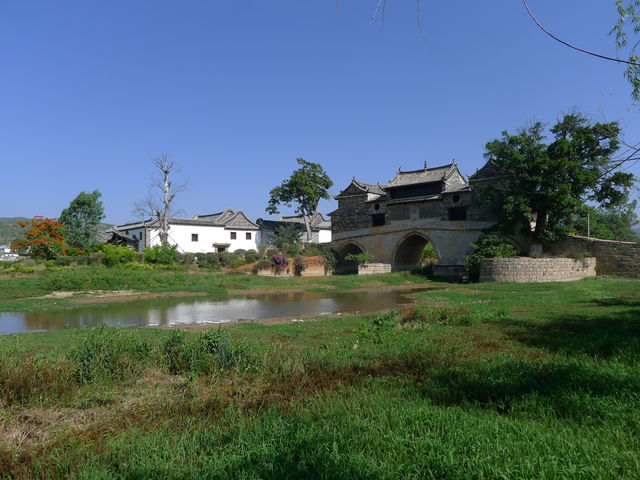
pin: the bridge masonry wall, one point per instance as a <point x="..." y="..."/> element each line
<point x="613" y="257"/>
<point x="450" y="239"/>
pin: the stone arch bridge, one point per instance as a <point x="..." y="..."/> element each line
<point x="394" y="222"/>
<point x="400" y="245"/>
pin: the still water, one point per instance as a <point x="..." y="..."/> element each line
<point x="189" y="311"/>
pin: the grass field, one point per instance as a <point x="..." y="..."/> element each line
<point x="477" y="381"/>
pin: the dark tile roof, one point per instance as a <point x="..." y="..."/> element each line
<point x="426" y="175"/>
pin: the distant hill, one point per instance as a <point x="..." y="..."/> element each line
<point x="8" y="232"/>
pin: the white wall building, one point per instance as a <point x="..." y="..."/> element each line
<point x="218" y="232"/>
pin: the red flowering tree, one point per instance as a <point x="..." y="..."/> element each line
<point x="44" y="239"/>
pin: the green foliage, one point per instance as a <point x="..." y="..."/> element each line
<point x="116" y="255"/>
<point x="490" y="246"/>
<point x="236" y="261"/>
<point x="164" y="254"/>
<point x="546" y="183"/>
<point x="82" y="219"/>
<point x="262" y="264"/>
<point x="429" y="253"/>
<point x="306" y="187"/>
<point x="440" y="314"/>
<point x="209" y="260"/>
<point x="614" y="222"/>
<point x="362" y="257"/>
<point x="187" y="258"/>
<point x="206" y="353"/>
<point x="287" y="238"/>
<point x="108" y="353"/>
<point x="9" y="231"/>
<point x="629" y="19"/>
<point x="379" y="327"/>
<point x="251" y="256"/>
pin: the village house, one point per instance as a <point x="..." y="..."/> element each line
<point x="218" y="232"/>
<point x="320" y="228"/>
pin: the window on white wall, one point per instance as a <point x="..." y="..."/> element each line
<point x="248" y="237"/>
<point x="194" y="237"/>
<point x="233" y="235"/>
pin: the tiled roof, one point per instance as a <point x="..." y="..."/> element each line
<point x="426" y="175"/>
<point x="317" y="220"/>
<point x="227" y="219"/>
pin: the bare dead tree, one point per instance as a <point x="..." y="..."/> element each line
<point x="162" y="192"/>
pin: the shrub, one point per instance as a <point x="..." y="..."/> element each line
<point x="251" y="256"/>
<point x="279" y="262"/>
<point x="236" y="262"/>
<point x="116" y="254"/>
<point x="240" y="252"/>
<point x="490" y="246"/>
<point x="299" y="265"/>
<point x="263" y="264"/>
<point x="440" y="314"/>
<point x="108" y="353"/>
<point x="209" y="260"/>
<point x="361" y="258"/>
<point x="96" y="258"/>
<point x="381" y="325"/>
<point x="207" y="352"/>
<point x="161" y="254"/>
<point x="186" y="258"/>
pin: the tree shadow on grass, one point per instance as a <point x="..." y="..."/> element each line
<point x="567" y="389"/>
<point x="603" y="335"/>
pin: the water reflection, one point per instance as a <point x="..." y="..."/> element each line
<point x="186" y="311"/>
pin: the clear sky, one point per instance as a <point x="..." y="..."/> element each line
<point x="236" y="91"/>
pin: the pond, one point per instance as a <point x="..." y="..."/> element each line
<point x="169" y="312"/>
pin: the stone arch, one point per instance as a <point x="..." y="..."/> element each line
<point x="409" y="249"/>
<point x="346" y="267"/>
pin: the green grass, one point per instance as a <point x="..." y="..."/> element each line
<point x="510" y="381"/>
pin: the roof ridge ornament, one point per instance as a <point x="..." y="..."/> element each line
<point x="425" y="164"/>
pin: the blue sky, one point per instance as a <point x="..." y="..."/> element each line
<point x="236" y="91"/>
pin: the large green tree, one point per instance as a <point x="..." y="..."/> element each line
<point x="545" y="183"/>
<point x="82" y="218"/>
<point x="306" y="187"/>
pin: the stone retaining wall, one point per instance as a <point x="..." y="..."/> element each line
<point x="525" y="269"/>
<point x="614" y="258"/>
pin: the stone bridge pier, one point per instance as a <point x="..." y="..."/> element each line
<point x="400" y="245"/>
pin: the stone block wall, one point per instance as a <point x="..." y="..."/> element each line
<point x="371" y="268"/>
<point x="525" y="269"/>
<point x="614" y="258"/>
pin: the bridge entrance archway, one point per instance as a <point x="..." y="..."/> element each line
<point x="346" y="267"/>
<point x="408" y="252"/>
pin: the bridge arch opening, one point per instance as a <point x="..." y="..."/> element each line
<point x="347" y="267"/>
<point x="414" y="251"/>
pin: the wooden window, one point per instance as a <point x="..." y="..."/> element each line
<point x="140" y="235"/>
<point x="248" y="236"/>
<point x="457" y="213"/>
<point x="377" y="220"/>
<point x="233" y="235"/>
<point x="194" y="237"/>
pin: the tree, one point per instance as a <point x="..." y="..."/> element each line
<point x="287" y="238"/>
<point x="543" y="184"/>
<point x="161" y="195"/>
<point x="614" y="222"/>
<point x="82" y="219"/>
<point x="306" y="187"/>
<point x="44" y="239"/>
